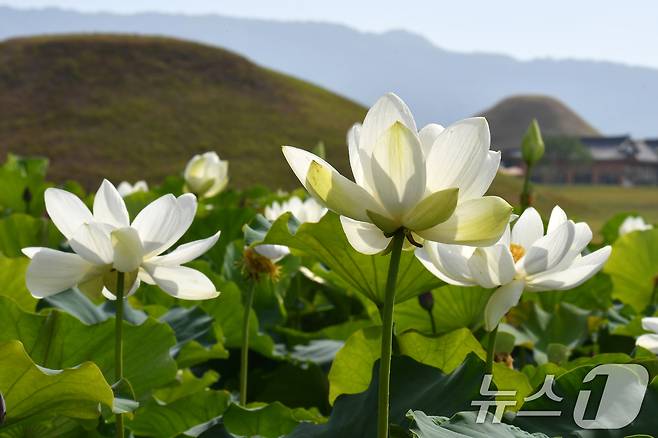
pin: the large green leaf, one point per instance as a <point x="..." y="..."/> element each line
<point x="35" y="395"/>
<point x="58" y="340"/>
<point x="23" y="182"/>
<point x="326" y="241"/>
<point x="539" y="329"/>
<point x="454" y="307"/>
<point x="413" y="386"/>
<point x="172" y="419"/>
<point x="464" y="424"/>
<point x="267" y="420"/>
<point x="12" y="282"/>
<point x="21" y="230"/>
<point x="633" y="268"/>
<point x="228" y="311"/>
<point x="351" y="371"/>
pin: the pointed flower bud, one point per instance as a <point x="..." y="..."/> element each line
<point x="532" y="146"/>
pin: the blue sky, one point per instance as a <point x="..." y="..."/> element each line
<point x="586" y="29"/>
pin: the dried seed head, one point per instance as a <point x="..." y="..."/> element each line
<point x="255" y="265"/>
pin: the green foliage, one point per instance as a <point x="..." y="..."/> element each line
<point x="267" y="420"/>
<point x="464" y="424"/>
<point x="23" y="182"/>
<point x="560" y="149"/>
<point x="20" y="230"/>
<point x="58" y="340"/>
<point x="36" y="397"/>
<point x="12" y="282"/>
<point x="633" y="268"/>
<point x="349" y="269"/>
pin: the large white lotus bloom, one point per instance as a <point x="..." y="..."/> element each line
<point x="206" y="175"/>
<point x="523" y="259"/>
<point x="304" y="211"/>
<point x="429" y="183"/>
<point x="106" y="242"/>
<point x="126" y="189"/>
<point x="633" y="223"/>
<point x="650" y="340"/>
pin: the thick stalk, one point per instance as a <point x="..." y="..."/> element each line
<point x="118" y="344"/>
<point x="432" y="322"/>
<point x="526" y="194"/>
<point x="387" y="336"/>
<point x="244" y="361"/>
<point x="491" y="350"/>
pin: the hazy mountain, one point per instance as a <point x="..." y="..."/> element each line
<point x="439" y="85"/>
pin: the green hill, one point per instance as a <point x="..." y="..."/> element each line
<point x="510" y="118"/>
<point x="127" y="108"/>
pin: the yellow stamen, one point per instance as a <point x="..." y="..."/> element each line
<point x="517" y="251"/>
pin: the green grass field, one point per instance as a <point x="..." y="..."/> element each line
<point x="592" y="204"/>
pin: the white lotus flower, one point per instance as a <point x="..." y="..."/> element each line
<point x="649" y="341"/>
<point x="633" y="223"/>
<point x="430" y="183"/>
<point x="106" y="242"/>
<point x="523" y="259"/>
<point x="206" y="175"/>
<point x="126" y="189"/>
<point x="304" y="211"/>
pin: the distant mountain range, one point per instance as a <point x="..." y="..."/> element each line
<point x="439" y="85"/>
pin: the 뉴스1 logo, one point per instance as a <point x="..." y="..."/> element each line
<point x="620" y="402"/>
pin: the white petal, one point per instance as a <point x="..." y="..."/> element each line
<point x="31" y="250"/>
<point x="384" y="113"/>
<point x="492" y="266"/>
<point x="484" y="177"/>
<point x="182" y="282"/>
<point x="398" y="170"/>
<point x="110" y="296"/>
<point x="649" y="342"/>
<point x="428" y="135"/>
<point x="92" y="243"/>
<point x="458" y="154"/>
<point x="338" y="193"/>
<point x="273" y="252"/>
<point x="109" y="207"/>
<point x="66" y="211"/>
<point x="164" y="221"/>
<point x="354" y="153"/>
<point x="582" y="237"/>
<point x="447" y="262"/>
<point x="218" y="172"/>
<point x="300" y="162"/>
<point x="558" y="217"/>
<point x="581" y="270"/>
<point x="51" y="272"/>
<point x="187" y="252"/>
<point x="527" y="229"/>
<point x="475" y="222"/>
<point x="128" y="249"/>
<point x="501" y="301"/>
<point x="548" y="252"/>
<point x="650" y="324"/>
<point x="364" y="237"/>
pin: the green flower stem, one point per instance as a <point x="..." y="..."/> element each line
<point x="526" y="193"/>
<point x="244" y="361"/>
<point x="491" y="350"/>
<point x="118" y="344"/>
<point x="432" y="322"/>
<point x="387" y="336"/>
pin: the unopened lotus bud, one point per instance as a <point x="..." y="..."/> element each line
<point x="206" y="175"/>
<point x="532" y="146"/>
<point x="426" y="301"/>
<point x="27" y="195"/>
